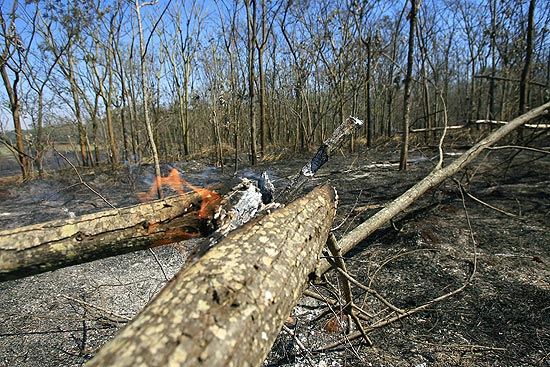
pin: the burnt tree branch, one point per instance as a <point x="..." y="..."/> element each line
<point x="321" y="157"/>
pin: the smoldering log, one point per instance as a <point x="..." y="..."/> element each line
<point x="227" y="308"/>
<point x="48" y="246"/>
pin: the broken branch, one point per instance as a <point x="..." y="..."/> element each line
<point x="321" y="157"/>
<point x="436" y="177"/>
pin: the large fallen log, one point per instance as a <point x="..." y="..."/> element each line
<point x="227" y="308"/>
<point x="48" y="246"/>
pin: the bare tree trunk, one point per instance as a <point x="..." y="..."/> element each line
<point x="10" y="35"/>
<point x="392" y="79"/>
<point x="408" y="86"/>
<point x="14" y="104"/>
<point x="251" y="21"/>
<point x="262" y="97"/>
<point x="526" y="72"/>
<point x="145" y="94"/>
<point x="370" y="127"/>
<point x="109" y="117"/>
<point x="491" y="114"/>
<point x="227" y="308"/>
<point x="82" y="139"/>
<point x="107" y="99"/>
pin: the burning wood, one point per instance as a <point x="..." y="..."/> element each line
<point x="228" y="307"/>
<point x="199" y="213"/>
<point x="48" y="246"/>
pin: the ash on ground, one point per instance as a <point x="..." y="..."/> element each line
<point x="62" y="318"/>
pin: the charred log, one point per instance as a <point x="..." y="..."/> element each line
<point x="48" y="246"/>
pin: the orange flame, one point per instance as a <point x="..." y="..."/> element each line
<point x="210" y="201"/>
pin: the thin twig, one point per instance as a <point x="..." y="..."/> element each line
<point x="319" y="297"/>
<point x="349" y="309"/>
<point x="442" y="139"/>
<point x="82" y="180"/>
<point x="383" y="323"/>
<point x="349" y="213"/>
<point x="400" y="254"/>
<point x="520" y="147"/>
<point x="462" y="346"/>
<point x="483" y="202"/>
<point x="371" y="291"/>
<point x="86" y="304"/>
<point x="301" y="346"/>
<point x="159" y="264"/>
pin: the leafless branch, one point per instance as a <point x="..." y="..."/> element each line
<point x="82" y="180"/>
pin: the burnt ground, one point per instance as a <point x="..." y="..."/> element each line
<point x="502" y="318"/>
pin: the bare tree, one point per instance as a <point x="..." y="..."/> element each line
<point x="229" y="33"/>
<point x="526" y="71"/>
<point x="188" y="21"/>
<point x="415" y="4"/>
<point x="62" y="37"/>
<point x="123" y="71"/>
<point x="251" y="12"/>
<point x="261" y="43"/>
<point x="11" y="61"/>
<point x="145" y="94"/>
<point x="105" y="77"/>
<point x="38" y="73"/>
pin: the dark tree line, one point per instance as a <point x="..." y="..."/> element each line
<point x="135" y="81"/>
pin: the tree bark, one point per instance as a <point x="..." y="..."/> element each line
<point x="227" y="308"/>
<point x="82" y="136"/>
<point x="145" y="95"/>
<point x="48" y="246"/>
<point x="526" y="71"/>
<point x="9" y="34"/>
<point x="251" y="21"/>
<point x="408" y="87"/>
<point x="436" y="177"/>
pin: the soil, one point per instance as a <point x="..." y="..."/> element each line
<point x="501" y="318"/>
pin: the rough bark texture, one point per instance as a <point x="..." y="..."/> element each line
<point x="436" y="177"/>
<point x="48" y="246"/>
<point x="227" y="308"/>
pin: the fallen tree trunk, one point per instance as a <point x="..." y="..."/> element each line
<point x="48" y="246"/>
<point x="494" y="122"/>
<point x="227" y="308"/>
<point x="439" y="128"/>
<point x="436" y="177"/>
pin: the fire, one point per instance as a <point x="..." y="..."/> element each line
<point x="210" y="201"/>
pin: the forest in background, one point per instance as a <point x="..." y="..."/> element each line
<point x="133" y="81"/>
